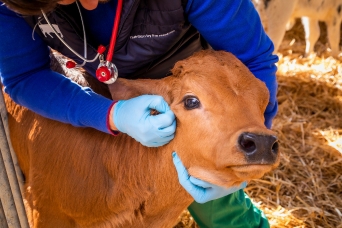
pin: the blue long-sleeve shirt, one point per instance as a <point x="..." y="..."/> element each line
<point x="231" y="25"/>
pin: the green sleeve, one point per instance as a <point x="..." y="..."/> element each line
<point x="234" y="211"/>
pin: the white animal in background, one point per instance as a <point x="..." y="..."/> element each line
<point x="278" y="16"/>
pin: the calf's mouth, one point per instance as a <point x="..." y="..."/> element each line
<point x="254" y="171"/>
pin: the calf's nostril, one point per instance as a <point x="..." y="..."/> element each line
<point x="275" y="147"/>
<point x="247" y="143"/>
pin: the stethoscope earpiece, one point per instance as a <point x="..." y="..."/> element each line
<point x="71" y="64"/>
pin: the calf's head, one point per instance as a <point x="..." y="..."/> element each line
<point x="219" y="106"/>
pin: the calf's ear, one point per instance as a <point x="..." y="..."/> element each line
<point x="124" y="89"/>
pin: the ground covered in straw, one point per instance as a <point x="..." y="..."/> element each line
<point x="306" y="189"/>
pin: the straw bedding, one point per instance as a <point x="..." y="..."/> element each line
<point x="306" y="189"/>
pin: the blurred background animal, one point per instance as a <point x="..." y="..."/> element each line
<point x="278" y="16"/>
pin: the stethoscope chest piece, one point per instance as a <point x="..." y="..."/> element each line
<point x="107" y="72"/>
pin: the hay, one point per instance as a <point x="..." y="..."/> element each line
<point x="306" y="189"/>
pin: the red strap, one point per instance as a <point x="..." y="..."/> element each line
<point x="115" y="133"/>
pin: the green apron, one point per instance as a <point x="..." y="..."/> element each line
<point x="234" y="211"/>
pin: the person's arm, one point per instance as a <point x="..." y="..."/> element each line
<point x="27" y="78"/>
<point x="234" y="26"/>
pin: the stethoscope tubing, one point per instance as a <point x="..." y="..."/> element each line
<point x="84" y="58"/>
<point x="106" y="71"/>
<point x="114" y="31"/>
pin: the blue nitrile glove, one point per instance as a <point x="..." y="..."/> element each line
<point x="200" y="190"/>
<point x="270" y="113"/>
<point x="133" y="117"/>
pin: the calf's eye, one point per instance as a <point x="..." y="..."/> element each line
<point x="191" y="102"/>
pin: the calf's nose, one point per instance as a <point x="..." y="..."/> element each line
<point x="258" y="148"/>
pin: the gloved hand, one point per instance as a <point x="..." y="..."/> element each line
<point x="133" y="118"/>
<point x="200" y="190"/>
<point x="270" y="113"/>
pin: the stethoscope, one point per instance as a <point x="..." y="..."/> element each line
<point x="106" y="71"/>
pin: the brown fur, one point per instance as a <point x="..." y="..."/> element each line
<point x="80" y="177"/>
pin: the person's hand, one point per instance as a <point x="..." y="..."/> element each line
<point x="200" y="190"/>
<point x="134" y="118"/>
<point x="270" y="113"/>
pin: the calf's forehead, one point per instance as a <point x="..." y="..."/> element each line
<point x="218" y="77"/>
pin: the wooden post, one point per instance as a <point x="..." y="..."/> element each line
<point x="12" y="210"/>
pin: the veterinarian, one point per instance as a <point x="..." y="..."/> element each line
<point x="149" y="37"/>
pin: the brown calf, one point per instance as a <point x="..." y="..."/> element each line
<point x="80" y="177"/>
